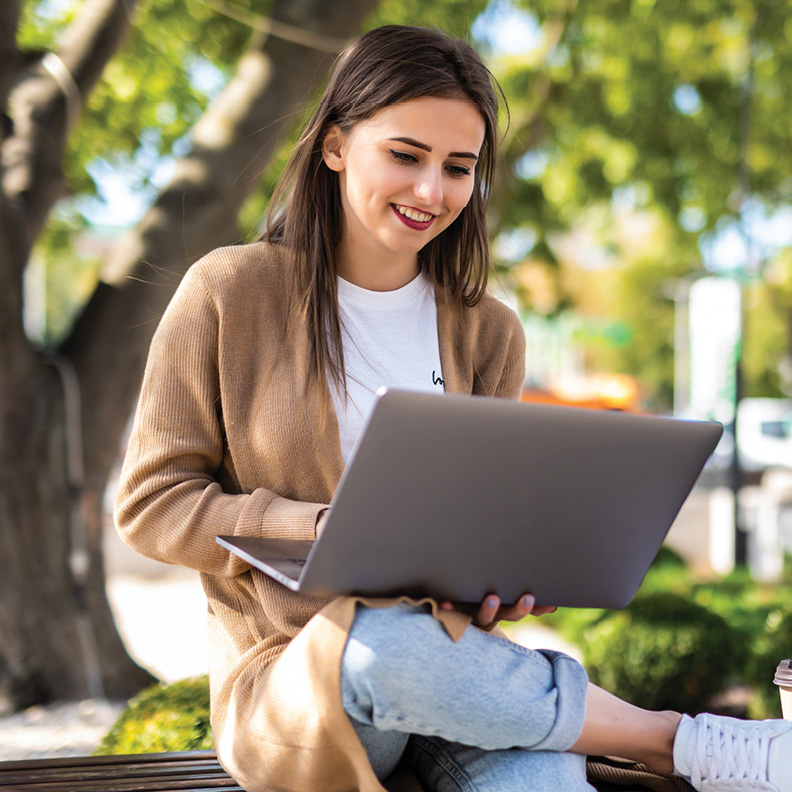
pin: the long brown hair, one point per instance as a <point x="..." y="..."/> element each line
<point x="384" y="67"/>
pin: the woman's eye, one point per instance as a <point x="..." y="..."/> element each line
<point x="458" y="170"/>
<point x="403" y="156"/>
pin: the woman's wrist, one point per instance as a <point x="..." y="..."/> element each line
<point x="321" y="518"/>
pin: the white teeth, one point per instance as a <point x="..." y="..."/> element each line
<point x="419" y="217"/>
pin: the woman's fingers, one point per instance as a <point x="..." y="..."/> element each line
<point x="491" y="609"/>
<point x="488" y="612"/>
<point x="519" y="610"/>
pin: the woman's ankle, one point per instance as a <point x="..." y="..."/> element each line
<point x="613" y="727"/>
<point x="660" y="755"/>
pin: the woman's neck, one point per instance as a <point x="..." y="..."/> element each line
<point x="376" y="273"/>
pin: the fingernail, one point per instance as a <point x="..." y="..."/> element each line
<point x="528" y="601"/>
<point x="492" y="602"/>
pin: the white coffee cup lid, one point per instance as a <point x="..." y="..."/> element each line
<point x="783" y="674"/>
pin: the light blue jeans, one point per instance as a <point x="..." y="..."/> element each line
<point x="479" y="715"/>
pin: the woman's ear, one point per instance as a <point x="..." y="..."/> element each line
<point x="333" y="149"/>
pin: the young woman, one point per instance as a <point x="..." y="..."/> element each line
<point x="372" y="272"/>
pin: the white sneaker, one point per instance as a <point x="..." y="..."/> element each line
<point x="720" y="754"/>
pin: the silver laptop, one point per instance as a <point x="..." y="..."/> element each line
<point x="459" y="496"/>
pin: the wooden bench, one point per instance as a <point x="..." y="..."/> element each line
<point x="199" y="771"/>
<point x="187" y="771"/>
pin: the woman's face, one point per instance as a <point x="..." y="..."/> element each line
<point x="405" y="174"/>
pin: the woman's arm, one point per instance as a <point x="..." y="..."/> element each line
<point x="170" y="504"/>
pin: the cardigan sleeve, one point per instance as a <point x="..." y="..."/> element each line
<point x="170" y="504"/>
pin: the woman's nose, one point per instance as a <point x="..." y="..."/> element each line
<point x="429" y="188"/>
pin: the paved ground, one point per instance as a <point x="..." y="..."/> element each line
<point x="57" y="730"/>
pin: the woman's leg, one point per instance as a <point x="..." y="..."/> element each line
<point x="443" y="766"/>
<point x="402" y="673"/>
<point x="615" y="728"/>
<point x="451" y="767"/>
<point x="483" y="684"/>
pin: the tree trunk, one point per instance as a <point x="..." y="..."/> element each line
<point x="50" y="646"/>
<point x="63" y="418"/>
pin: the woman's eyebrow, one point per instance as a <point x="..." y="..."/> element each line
<point x="412" y="142"/>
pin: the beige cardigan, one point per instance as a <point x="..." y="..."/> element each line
<point x="224" y="441"/>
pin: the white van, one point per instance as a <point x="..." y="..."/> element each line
<point x="764" y="433"/>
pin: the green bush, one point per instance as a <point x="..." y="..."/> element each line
<point x="779" y="644"/>
<point x="171" y="717"/>
<point x="663" y="652"/>
<point x="776" y="646"/>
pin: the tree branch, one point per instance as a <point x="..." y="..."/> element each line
<point x="280" y="29"/>
<point x="45" y="105"/>
<point x="9" y="54"/>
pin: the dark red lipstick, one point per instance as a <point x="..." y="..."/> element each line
<point x="417" y="225"/>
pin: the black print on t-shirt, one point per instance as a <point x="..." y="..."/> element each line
<point x="436" y="380"/>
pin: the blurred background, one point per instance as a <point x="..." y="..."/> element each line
<point x="641" y="225"/>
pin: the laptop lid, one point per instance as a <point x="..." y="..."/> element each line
<point x="458" y="496"/>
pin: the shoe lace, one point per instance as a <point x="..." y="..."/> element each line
<point x="732" y="753"/>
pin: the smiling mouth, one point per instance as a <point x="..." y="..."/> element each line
<point x="412" y="218"/>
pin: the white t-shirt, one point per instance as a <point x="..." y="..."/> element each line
<point x="390" y="339"/>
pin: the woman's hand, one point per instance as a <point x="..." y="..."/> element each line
<point x="491" y="609"/>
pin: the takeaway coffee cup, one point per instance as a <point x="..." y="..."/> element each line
<point x="783" y="678"/>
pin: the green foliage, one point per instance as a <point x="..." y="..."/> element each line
<point x="761" y="617"/>
<point x="625" y="157"/>
<point x="41" y="23"/>
<point x="171" y="717"/>
<point x="683" y="639"/>
<point x="619" y="68"/>
<point x="663" y="652"/>
<point x="453" y="16"/>
<point x="767" y="341"/>
<point x="776" y="646"/>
